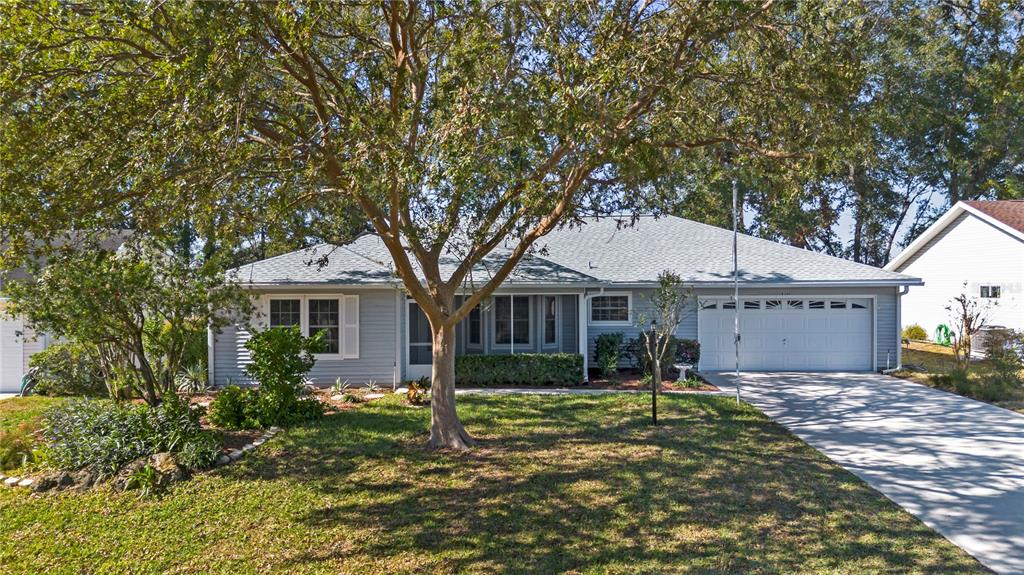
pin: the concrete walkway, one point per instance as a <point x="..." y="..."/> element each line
<point x="955" y="463"/>
<point x="8" y="395"/>
<point x="566" y="391"/>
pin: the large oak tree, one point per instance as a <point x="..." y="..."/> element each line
<point x="452" y="128"/>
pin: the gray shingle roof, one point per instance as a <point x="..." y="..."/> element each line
<point x="598" y="252"/>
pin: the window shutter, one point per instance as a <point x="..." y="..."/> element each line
<point x="350" y="338"/>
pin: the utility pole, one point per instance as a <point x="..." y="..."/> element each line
<point x="736" y="284"/>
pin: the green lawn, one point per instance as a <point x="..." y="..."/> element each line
<point x="17" y="410"/>
<point x="570" y="484"/>
<point x="934" y="358"/>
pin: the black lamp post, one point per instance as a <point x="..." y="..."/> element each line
<point x="655" y="372"/>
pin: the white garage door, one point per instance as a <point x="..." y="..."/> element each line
<point x="782" y="334"/>
<point x="12" y="354"/>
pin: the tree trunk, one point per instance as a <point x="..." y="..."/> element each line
<point x="446" y="431"/>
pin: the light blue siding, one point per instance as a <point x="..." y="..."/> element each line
<point x="641" y="310"/>
<point x="376" y="361"/>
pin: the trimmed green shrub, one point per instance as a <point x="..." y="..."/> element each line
<point x="677" y="351"/>
<point x="519" y="369"/>
<point x="228" y="409"/>
<point x="914" y="331"/>
<point x="104" y="436"/>
<point x="200" y="451"/>
<point x="254" y="408"/>
<point x="607" y="351"/>
<point x="68" y="369"/>
<point x="281" y="357"/>
<point x="688" y="351"/>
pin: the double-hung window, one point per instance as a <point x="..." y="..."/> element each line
<point x="324" y="316"/>
<point x="609" y="309"/>
<point x="285" y="312"/>
<point x="511" y="320"/>
<point x="337" y="317"/>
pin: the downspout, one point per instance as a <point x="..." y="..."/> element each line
<point x="211" y="340"/>
<point x="902" y="291"/>
<point x="583" y="318"/>
<point x="398" y="338"/>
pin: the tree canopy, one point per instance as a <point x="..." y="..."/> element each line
<point x="451" y="129"/>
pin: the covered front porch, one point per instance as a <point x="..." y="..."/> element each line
<point x="507" y="322"/>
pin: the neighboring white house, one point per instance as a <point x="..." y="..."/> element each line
<point x="17" y="345"/>
<point x="980" y="243"/>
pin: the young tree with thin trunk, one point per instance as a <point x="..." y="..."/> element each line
<point x="968" y="317"/>
<point x="459" y="133"/>
<point x="668" y="305"/>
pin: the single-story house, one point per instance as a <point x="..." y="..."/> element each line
<point x="799" y="310"/>
<point x="976" y="248"/>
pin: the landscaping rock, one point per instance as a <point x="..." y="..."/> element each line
<point x="58" y="480"/>
<point x="11" y="481"/>
<point x="167" y="468"/>
<point x="402" y="390"/>
<point x="259" y="442"/>
<point x="248" y="447"/>
<point x="373" y="396"/>
<point x="27" y="482"/>
<point x="235" y="454"/>
<point x="223" y="459"/>
<point x="83" y="479"/>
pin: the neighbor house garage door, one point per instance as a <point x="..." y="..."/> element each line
<point x="780" y="334"/>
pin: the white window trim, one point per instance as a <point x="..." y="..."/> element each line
<point x="494" y="323"/>
<point x="629" y="307"/>
<point x="304" y="319"/>
<point x="543" y="322"/>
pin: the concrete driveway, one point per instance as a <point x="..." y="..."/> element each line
<point x="955" y="463"/>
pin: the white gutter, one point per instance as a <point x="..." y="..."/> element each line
<point x="910" y="281"/>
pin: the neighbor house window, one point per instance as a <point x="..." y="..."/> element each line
<point x="324" y="316"/>
<point x="609" y="308"/>
<point x="550" y="320"/>
<point x="511" y="320"/>
<point x="285" y="312"/>
<point x="990" y="292"/>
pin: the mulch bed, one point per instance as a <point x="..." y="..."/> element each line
<point x="629" y="379"/>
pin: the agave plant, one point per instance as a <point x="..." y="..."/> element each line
<point x="340" y="386"/>
<point x="192" y="380"/>
<point x="372" y="387"/>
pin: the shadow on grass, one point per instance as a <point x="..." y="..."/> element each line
<point x="584" y="484"/>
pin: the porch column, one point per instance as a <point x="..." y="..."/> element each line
<point x="581" y="321"/>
